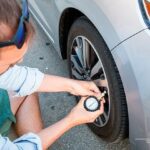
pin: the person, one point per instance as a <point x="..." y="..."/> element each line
<point x="19" y="85"/>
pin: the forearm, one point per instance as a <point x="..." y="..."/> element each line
<point x="55" y="84"/>
<point x="49" y="135"/>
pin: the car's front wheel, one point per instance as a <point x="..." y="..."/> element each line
<point x="89" y="59"/>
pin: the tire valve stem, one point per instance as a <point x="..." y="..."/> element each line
<point x="102" y="95"/>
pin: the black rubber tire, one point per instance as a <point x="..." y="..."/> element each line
<point x="117" y="127"/>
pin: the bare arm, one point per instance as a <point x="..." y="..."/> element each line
<point x="25" y="81"/>
<point x="77" y="116"/>
<point x="60" y="84"/>
<point x="55" y="84"/>
<point x="49" y="135"/>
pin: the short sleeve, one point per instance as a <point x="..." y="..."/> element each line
<point x="28" y="141"/>
<point x="22" y="80"/>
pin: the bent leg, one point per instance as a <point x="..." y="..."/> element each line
<point x="15" y="102"/>
<point x="28" y="115"/>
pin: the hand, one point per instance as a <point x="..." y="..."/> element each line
<point x="79" y="115"/>
<point x="84" y="88"/>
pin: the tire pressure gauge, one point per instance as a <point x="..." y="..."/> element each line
<point x="92" y="103"/>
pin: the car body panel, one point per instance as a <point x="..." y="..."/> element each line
<point x="133" y="62"/>
<point x="36" y="8"/>
<point x="121" y="19"/>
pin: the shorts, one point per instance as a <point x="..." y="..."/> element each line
<point x="6" y="115"/>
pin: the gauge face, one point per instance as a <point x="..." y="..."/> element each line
<point x="92" y="104"/>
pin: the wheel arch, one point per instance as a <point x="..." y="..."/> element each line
<point x="68" y="17"/>
<point x="98" y="19"/>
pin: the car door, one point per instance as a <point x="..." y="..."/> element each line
<point x="43" y="12"/>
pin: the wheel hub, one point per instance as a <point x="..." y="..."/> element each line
<point x="86" y="65"/>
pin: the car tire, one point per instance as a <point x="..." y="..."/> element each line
<point x="116" y="127"/>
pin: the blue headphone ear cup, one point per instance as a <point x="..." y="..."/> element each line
<point x="20" y="35"/>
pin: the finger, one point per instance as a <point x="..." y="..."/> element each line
<point x="102" y="107"/>
<point x="103" y="100"/>
<point x="82" y="100"/>
<point x="89" y="93"/>
<point x="95" y="88"/>
<point x="101" y="110"/>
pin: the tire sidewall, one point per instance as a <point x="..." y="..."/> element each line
<point x="83" y="27"/>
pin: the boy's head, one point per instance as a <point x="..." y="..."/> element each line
<point x="10" y="14"/>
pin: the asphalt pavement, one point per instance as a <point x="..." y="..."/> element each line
<point x="54" y="106"/>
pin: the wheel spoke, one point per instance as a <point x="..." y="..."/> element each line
<point x="78" y="42"/>
<point x="76" y="74"/>
<point x="105" y="116"/>
<point x="95" y="69"/>
<point x="86" y="65"/>
<point x="86" y="54"/>
<point x="76" y="63"/>
<point x="78" y="54"/>
<point x="78" y="49"/>
<point x="101" y="83"/>
<point x="99" y="120"/>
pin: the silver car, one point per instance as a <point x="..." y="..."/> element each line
<point x="107" y="42"/>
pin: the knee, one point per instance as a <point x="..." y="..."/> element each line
<point x="36" y="95"/>
<point x="15" y="102"/>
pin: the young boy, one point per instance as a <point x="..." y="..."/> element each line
<point x="18" y="84"/>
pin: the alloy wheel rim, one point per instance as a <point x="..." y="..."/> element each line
<point x="86" y="65"/>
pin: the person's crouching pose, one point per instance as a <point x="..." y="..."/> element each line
<point x="19" y="84"/>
